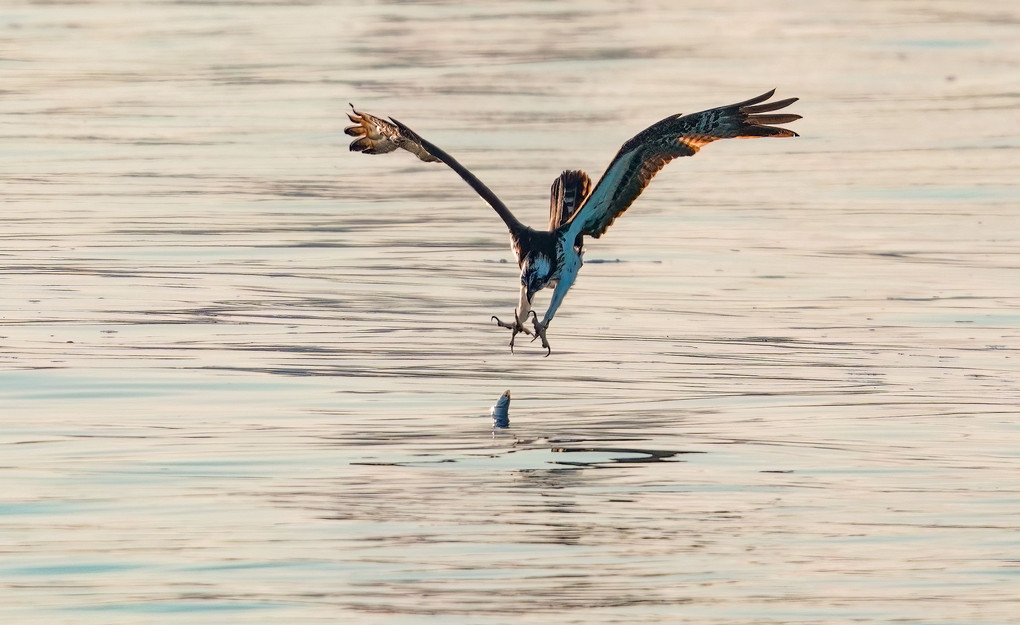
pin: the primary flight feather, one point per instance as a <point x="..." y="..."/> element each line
<point x="577" y="209"/>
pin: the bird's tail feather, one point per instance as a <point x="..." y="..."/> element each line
<point x="568" y="193"/>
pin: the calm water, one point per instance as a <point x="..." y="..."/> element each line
<point x="246" y="374"/>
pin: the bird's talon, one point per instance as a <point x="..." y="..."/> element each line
<point x="515" y="328"/>
<point x="540" y="333"/>
<point x="516" y="325"/>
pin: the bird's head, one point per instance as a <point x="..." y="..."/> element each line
<point x="536" y="271"/>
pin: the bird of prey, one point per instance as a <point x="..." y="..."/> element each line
<point x="577" y="209"/>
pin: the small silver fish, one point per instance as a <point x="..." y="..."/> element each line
<point x="501" y="411"/>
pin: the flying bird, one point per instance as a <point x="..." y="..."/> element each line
<point x="577" y="209"/>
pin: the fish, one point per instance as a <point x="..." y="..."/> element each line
<point x="501" y="411"/>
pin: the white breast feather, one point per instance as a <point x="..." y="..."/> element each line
<point x="571" y="264"/>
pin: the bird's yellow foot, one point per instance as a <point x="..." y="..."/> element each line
<point x="515" y="328"/>
<point x="540" y="333"/>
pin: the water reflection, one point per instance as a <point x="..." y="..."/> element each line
<point x="532" y="459"/>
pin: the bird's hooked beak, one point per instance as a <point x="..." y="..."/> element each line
<point x="531" y="294"/>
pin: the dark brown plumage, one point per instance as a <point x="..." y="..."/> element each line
<point x="650" y="150"/>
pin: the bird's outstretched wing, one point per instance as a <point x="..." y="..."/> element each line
<point x="567" y="193"/>
<point x="374" y="135"/>
<point x="645" y="154"/>
<point x="380" y="136"/>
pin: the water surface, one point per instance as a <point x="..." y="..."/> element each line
<point x="246" y="374"/>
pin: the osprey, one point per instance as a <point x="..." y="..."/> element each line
<point x="553" y="256"/>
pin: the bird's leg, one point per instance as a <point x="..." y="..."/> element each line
<point x="520" y="316"/>
<point x="515" y="328"/>
<point x="540" y="332"/>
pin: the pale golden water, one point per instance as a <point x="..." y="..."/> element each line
<point x="246" y="374"/>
